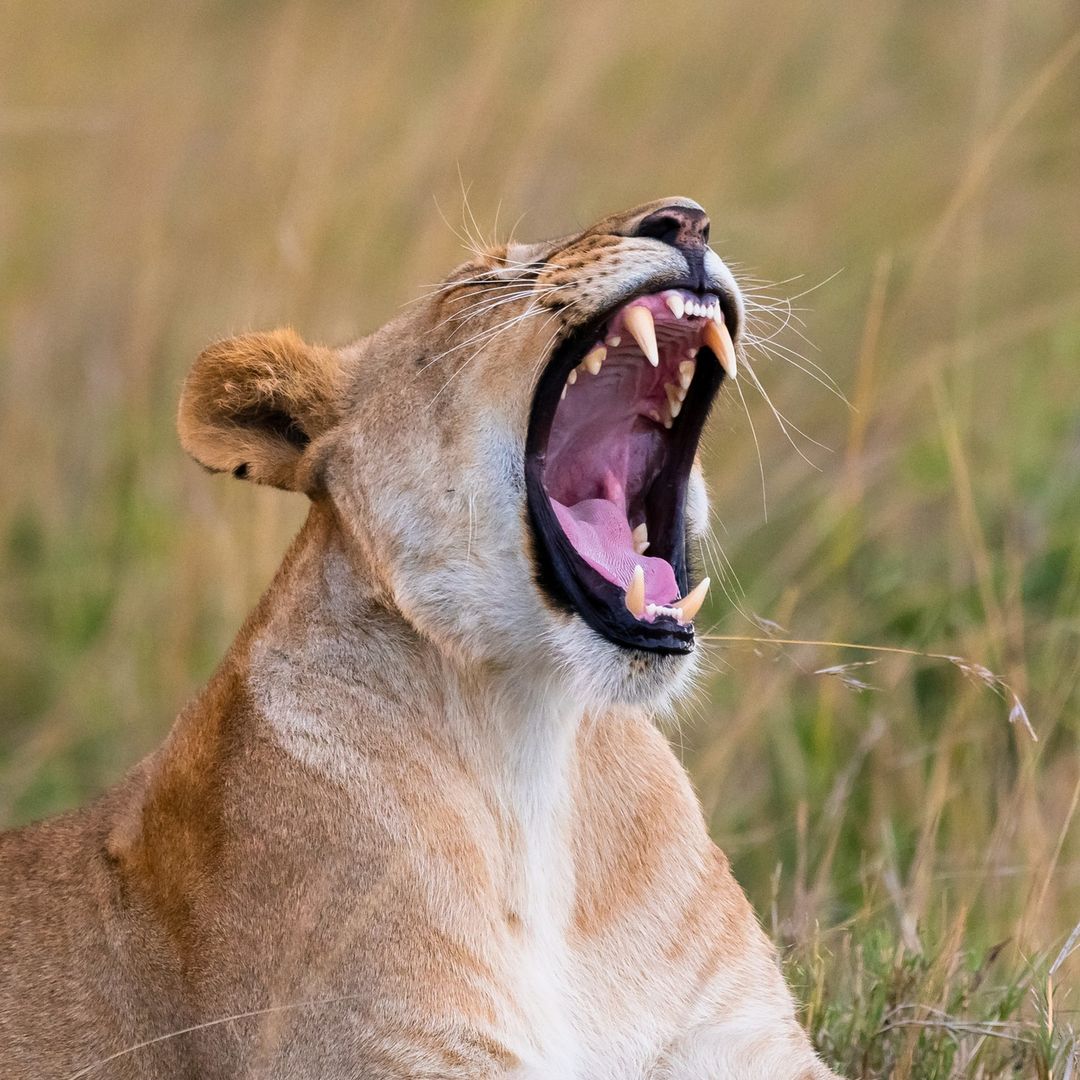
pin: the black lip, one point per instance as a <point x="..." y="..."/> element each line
<point x="561" y="572"/>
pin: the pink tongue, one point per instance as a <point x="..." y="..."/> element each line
<point x="600" y="533"/>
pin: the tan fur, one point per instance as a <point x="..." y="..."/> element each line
<point x="252" y="403"/>
<point x="419" y="824"/>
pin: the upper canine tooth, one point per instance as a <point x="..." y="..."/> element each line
<point x="675" y="302"/>
<point x="686" y="373"/>
<point x="718" y="339"/>
<point x="639" y="322"/>
<point x="635" y="593"/>
<point x="597" y="355"/>
<point x="691" y="603"/>
<point x="640" y="536"/>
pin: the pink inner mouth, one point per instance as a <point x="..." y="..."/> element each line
<point x="610" y="437"/>
<point x="601" y="535"/>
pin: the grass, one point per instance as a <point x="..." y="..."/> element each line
<point x="897" y="186"/>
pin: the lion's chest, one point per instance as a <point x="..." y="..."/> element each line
<point x="522" y="913"/>
<point x="591" y="869"/>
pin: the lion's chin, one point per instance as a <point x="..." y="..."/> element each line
<point x="602" y="674"/>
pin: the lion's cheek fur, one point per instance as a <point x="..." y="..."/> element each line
<point x="444" y="529"/>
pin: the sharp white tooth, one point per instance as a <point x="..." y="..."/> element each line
<point x="718" y="339"/>
<point x="691" y="603"/>
<point x="650" y="609"/>
<point x="675" y="302"/>
<point x="686" y="373"/>
<point x="640" y="536"/>
<point x="698" y="309"/>
<point x="597" y="355"/>
<point x="674" y="401"/>
<point x="613" y="341"/>
<point x="639" y="321"/>
<point x="562" y="396"/>
<point x="572" y="377"/>
<point x="635" y="593"/>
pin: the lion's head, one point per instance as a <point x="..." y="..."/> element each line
<point x="512" y="462"/>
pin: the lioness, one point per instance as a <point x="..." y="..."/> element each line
<point x="419" y="823"/>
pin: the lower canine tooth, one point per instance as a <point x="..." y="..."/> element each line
<point x="639" y="322"/>
<point x="718" y="339"/>
<point x="596" y="356"/>
<point x="635" y="593"/>
<point x="690" y="604"/>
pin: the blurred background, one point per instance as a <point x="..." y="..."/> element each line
<point x="897" y="184"/>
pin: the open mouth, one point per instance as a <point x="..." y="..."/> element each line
<point x="612" y="437"/>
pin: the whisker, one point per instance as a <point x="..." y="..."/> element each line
<point x="479" y="336"/>
<point x="484" y="338"/>
<point x="757" y="447"/>
<point x="784" y="422"/>
<point x="780" y="352"/>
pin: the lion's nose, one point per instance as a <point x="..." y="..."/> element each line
<point x="685" y="227"/>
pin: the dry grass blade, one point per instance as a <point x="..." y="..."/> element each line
<point x="977" y="672"/>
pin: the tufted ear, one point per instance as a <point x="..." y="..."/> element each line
<point x="252" y="404"/>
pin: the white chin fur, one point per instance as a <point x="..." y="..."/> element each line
<point x="603" y="674"/>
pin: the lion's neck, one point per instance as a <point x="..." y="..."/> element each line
<point x="334" y="670"/>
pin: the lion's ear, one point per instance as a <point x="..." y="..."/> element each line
<point x="252" y="404"/>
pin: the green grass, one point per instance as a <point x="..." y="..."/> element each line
<point x="904" y="174"/>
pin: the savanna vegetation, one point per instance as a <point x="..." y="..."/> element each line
<point x="886" y="742"/>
